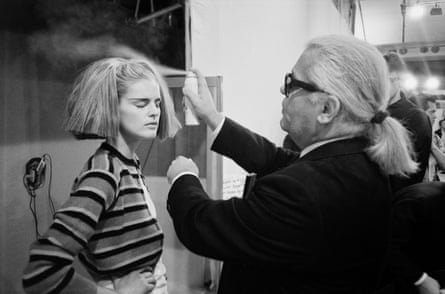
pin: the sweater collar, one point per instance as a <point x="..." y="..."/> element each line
<point x="113" y="150"/>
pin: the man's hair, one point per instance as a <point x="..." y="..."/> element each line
<point x="425" y="99"/>
<point x="395" y="62"/>
<point x="356" y="74"/>
<point x="92" y="107"/>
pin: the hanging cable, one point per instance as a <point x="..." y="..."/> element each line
<point x="136" y="11"/>
<point x="33" y="179"/>
<point x="152" y="10"/>
<point x="32" y="205"/>
<point x="48" y="159"/>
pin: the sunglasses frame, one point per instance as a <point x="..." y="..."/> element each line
<point x="291" y="84"/>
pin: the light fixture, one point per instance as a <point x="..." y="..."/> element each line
<point x="416" y="11"/>
<point x="436" y="10"/>
<point x="435" y="49"/>
<point x="432" y="83"/>
<point x="409" y="82"/>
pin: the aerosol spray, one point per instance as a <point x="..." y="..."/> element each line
<point x="191" y="83"/>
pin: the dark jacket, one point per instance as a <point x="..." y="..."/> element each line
<point x="419" y="125"/>
<point x="316" y="224"/>
<point x="418" y="242"/>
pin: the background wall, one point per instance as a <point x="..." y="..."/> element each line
<point x="382" y="23"/>
<point x="252" y="44"/>
<point x="31" y="108"/>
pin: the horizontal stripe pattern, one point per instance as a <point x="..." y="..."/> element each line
<point x="106" y="223"/>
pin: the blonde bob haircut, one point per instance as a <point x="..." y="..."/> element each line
<point x="92" y="107"/>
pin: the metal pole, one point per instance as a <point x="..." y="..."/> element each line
<point x="352" y="12"/>
<point x="403" y="8"/>
<point x="159" y="13"/>
<point x="188" y="41"/>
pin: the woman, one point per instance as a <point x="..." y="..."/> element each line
<point x="109" y="220"/>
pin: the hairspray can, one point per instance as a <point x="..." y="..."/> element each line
<point x="191" y="83"/>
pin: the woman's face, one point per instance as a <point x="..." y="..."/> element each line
<point x="140" y="110"/>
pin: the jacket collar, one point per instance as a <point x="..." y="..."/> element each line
<point x="336" y="148"/>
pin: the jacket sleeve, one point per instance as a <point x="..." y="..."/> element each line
<point x="251" y="151"/>
<point x="50" y="267"/>
<point x="268" y="227"/>
<point x="400" y="267"/>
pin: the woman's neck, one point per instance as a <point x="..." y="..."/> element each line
<point x="128" y="149"/>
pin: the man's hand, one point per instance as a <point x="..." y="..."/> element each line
<point x="203" y="104"/>
<point x="429" y="286"/>
<point x="181" y="165"/>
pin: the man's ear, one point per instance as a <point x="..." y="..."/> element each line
<point x="330" y="109"/>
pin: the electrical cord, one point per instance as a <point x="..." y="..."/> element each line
<point x="47" y="158"/>
<point x="32" y="205"/>
<point x="33" y="179"/>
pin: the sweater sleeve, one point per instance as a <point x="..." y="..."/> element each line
<point x="50" y="267"/>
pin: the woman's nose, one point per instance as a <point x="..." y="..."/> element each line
<point x="282" y="89"/>
<point x="154" y="110"/>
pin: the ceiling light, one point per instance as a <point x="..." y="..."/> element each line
<point x="409" y="82"/>
<point x="432" y="83"/>
<point x="416" y="11"/>
<point x="436" y="10"/>
<point x="435" y="49"/>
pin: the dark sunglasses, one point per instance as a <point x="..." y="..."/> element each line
<point x="291" y="84"/>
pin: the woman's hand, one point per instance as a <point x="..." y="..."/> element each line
<point x="136" y="282"/>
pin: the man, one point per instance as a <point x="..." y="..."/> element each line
<point x="317" y="222"/>
<point x="440" y="133"/>
<point x="412" y="117"/>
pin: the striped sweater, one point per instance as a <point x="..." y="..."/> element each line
<point x="105" y="222"/>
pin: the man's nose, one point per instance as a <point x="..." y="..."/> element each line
<point x="282" y="89"/>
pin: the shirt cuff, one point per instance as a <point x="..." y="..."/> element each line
<point x="182" y="174"/>
<point x="421" y="280"/>
<point x="216" y="131"/>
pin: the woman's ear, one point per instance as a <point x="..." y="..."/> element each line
<point x="330" y="109"/>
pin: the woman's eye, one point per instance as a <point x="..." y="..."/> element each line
<point x="141" y="104"/>
<point x="145" y="103"/>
